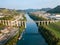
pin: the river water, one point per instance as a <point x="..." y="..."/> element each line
<point x="31" y="36"/>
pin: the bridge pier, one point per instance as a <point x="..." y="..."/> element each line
<point x="17" y="24"/>
<point x="40" y="23"/>
<point x="21" y="23"/>
<point x="37" y="23"/>
<point x="44" y="23"/>
<point x="0" y="21"/>
<point x="3" y="22"/>
<point x="47" y="22"/>
<point x="25" y="24"/>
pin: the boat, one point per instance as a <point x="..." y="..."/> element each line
<point x="20" y="37"/>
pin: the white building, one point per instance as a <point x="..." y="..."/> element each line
<point x="54" y="16"/>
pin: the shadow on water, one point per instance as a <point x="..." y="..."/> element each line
<point x="31" y="36"/>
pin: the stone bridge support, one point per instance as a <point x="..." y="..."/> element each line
<point x="13" y="23"/>
<point x="45" y="22"/>
<point x="21" y="23"/>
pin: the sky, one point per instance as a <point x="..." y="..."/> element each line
<point x="29" y="4"/>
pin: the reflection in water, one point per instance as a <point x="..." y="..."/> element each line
<point x="31" y="35"/>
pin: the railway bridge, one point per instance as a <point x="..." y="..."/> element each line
<point x="21" y="23"/>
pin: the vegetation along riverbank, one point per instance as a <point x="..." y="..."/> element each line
<point x="14" y="39"/>
<point x="50" y="32"/>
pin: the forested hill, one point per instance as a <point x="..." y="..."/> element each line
<point x="55" y="10"/>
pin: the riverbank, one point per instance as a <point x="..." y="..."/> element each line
<point x="31" y="35"/>
<point x="50" y="33"/>
<point x="49" y="36"/>
<point x="14" y="39"/>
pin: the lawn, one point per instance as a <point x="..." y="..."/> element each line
<point x="54" y="28"/>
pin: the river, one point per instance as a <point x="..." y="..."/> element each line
<point x="31" y="36"/>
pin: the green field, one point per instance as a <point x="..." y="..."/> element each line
<point x="50" y="32"/>
<point x="54" y="28"/>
